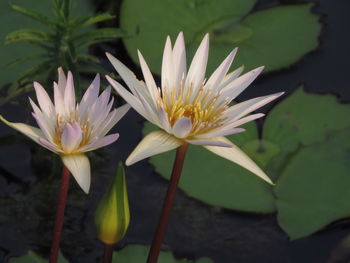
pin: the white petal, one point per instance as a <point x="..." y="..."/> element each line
<point x="179" y="59"/>
<point x="30" y="131"/>
<point x="164" y="120"/>
<point x="217" y="77"/>
<point x="44" y="100"/>
<point x="50" y="146"/>
<point x="71" y="137"/>
<point x="182" y="127"/>
<point x="100" y="142"/>
<point x="167" y="74"/>
<point x="241" y="109"/>
<point x="150" y="83"/>
<point x="126" y="74"/>
<point x="231" y="77"/>
<point x="220" y="132"/>
<point x="243" y="120"/>
<point x="79" y="166"/>
<point x="129" y="98"/>
<point x="44" y="122"/>
<point x="215" y="141"/>
<point x="236" y="155"/>
<point x="62" y="81"/>
<point x="69" y="94"/>
<point x="154" y="143"/>
<point x="198" y="66"/>
<point x="236" y="87"/>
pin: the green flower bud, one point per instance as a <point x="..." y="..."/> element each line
<point x="112" y="216"/>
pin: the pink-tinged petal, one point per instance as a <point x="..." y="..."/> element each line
<point x="90" y="96"/>
<point x="154" y="143"/>
<point x="71" y="137"/>
<point x="179" y="59"/>
<point x="30" y="131"/>
<point x="236" y="155"/>
<point x="79" y="166"/>
<point x="129" y="98"/>
<point x="69" y="94"/>
<point x="100" y="143"/>
<point x="167" y="77"/>
<point x="241" y="109"/>
<point x="44" y="100"/>
<point x="220" y="132"/>
<point x="112" y="119"/>
<point x="59" y="102"/>
<point x="217" y="77"/>
<point x="44" y="122"/>
<point x="182" y="127"/>
<point x="150" y="83"/>
<point x="211" y="142"/>
<point x="236" y="87"/>
<point x="62" y="81"/>
<point x="50" y="146"/>
<point x="196" y="72"/>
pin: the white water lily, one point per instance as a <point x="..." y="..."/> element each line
<point x="70" y="129"/>
<point x="188" y="108"/>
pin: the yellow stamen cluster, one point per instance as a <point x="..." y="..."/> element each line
<point x="200" y="108"/>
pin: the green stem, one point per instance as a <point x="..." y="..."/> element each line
<point x="167" y="205"/>
<point x="60" y="215"/>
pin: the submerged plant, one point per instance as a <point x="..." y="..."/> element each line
<point x="189" y="110"/>
<point x="69" y="130"/>
<point x="64" y="42"/>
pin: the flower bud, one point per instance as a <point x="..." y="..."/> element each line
<point x="112" y="216"/>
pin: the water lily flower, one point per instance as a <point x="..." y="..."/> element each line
<point x="188" y="108"/>
<point x="70" y="129"/>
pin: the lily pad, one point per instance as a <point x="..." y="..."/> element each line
<point x="138" y="253"/>
<point x="313" y="189"/>
<point x="32" y="257"/>
<point x="217" y="181"/>
<point x="276" y="37"/>
<point x="11" y="21"/>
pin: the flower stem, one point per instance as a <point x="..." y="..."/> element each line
<point x="167" y="205"/>
<point x="60" y="215"/>
<point x="108" y="253"/>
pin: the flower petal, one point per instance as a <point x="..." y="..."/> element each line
<point x="71" y="137"/>
<point x="236" y="87"/>
<point x="231" y="77"/>
<point x="179" y="59"/>
<point x="79" y="166"/>
<point x="30" y="131"/>
<point x="167" y="74"/>
<point x="220" y="132"/>
<point x="90" y="96"/>
<point x="62" y="81"/>
<point x="50" y="146"/>
<point x="154" y="143"/>
<point x="198" y="66"/>
<point x="44" y="100"/>
<point x="69" y="94"/>
<point x="112" y="118"/>
<point x="182" y="127"/>
<point x="236" y="155"/>
<point x="150" y="83"/>
<point x="211" y="142"/>
<point x="100" y="143"/>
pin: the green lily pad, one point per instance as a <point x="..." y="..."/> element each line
<point x="11" y="21"/>
<point x="313" y="189"/>
<point x="302" y="119"/>
<point x="276" y="37"/>
<point x="217" y="181"/>
<point x="139" y="253"/>
<point x="31" y="257"/>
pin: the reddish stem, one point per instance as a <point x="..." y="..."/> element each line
<point x="167" y="205"/>
<point x="108" y="253"/>
<point x="60" y="215"/>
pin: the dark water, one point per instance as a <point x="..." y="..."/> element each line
<point x="29" y="185"/>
